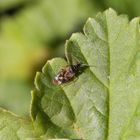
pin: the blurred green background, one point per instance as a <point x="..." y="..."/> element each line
<point x="33" y="31"/>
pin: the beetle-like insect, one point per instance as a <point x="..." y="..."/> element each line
<point x="68" y="73"/>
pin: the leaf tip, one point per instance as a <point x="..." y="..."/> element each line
<point x="37" y="79"/>
<point x="33" y="109"/>
<point x="110" y="11"/>
<point x="135" y="20"/>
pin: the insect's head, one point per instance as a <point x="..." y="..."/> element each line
<point x="57" y="80"/>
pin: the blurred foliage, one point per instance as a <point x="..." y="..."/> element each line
<point x="130" y="7"/>
<point x="7" y="4"/>
<point x="15" y="95"/>
<point x="33" y="31"/>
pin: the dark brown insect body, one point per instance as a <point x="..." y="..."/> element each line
<point x="67" y="74"/>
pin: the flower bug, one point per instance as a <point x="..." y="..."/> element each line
<point x="68" y="73"/>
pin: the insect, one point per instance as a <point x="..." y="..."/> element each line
<point x="68" y="73"/>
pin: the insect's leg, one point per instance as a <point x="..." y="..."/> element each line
<point x="69" y="58"/>
<point x="62" y="70"/>
<point x="77" y="60"/>
<point x="66" y="84"/>
<point x="75" y="78"/>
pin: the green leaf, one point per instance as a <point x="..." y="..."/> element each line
<point x="102" y="103"/>
<point x="14" y="128"/>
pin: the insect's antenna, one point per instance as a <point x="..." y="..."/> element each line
<point x="76" y="58"/>
<point x="86" y="65"/>
<point x="69" y="58"/>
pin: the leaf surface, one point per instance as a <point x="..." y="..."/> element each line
<point x="14" y="128"/>
<point x="102" y="103"/>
